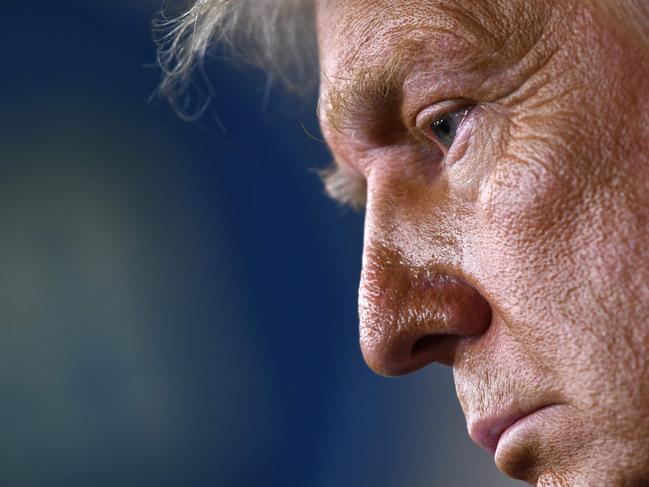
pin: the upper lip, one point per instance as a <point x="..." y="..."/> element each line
<point x="486" y="431"/>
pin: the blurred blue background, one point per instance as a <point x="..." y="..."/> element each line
<point x="178" y="300"/>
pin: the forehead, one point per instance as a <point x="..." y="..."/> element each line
<point x="370" y="50"/>
<point x="356" y="35"/>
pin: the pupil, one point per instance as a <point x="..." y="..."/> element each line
<point x="444" y="129"/>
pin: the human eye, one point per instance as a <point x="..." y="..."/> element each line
<point x="443" y="129"/>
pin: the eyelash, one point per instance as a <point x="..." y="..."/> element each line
<point x="350" y="189"/>
<point x="428" y="118"/>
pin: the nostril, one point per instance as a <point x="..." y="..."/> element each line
<point x="438" y="347"/>
<point x="425" y="343"/>
<point x="410" y="318"/>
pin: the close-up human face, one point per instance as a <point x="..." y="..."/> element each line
<point x="503" y="148"/>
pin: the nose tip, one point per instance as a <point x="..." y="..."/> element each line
<point x="410" y="323"/>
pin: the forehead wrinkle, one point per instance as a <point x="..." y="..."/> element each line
<point x="362" y="80"/>
<point x="448" y="36"/>
<point x="369" y="90"/>
<point x="477" y="24"/>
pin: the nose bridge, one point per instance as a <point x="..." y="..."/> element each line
<point x="414" y="305"/>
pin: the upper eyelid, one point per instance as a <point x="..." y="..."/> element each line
<point x="348" y="187"/>
<point x="439" y="111"/>
<point x="425" y="121"/>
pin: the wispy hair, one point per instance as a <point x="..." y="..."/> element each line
<point x="279" y="36"/>
<point x="275" y="35"/>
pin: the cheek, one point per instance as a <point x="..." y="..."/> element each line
<point x="563" y="231"/>
<point x="561" y="245"/>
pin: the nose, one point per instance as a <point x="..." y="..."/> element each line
<point x="413" y="316"/>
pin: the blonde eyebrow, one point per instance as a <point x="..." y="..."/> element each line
<point x="368" y="93"/>
<point x="369" y="96"/>
<point x="363" y="90"/>
<point x="372" y="92"/>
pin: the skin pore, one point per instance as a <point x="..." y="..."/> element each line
<point x="517" y="253"/>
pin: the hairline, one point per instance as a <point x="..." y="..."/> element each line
<point x="280" y="37"/>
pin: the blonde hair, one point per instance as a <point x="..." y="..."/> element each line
<point x="275" y="35"/>
<point x="279" y="36"/>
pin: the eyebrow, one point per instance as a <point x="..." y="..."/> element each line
<point x="371" y="94"/>
<point x="367" y="89"/>
<point x="367" y="94"/>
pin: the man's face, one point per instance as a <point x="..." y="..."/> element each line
<point x="504" y="148"/>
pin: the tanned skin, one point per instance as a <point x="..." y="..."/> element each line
<point x="518" y="254"/>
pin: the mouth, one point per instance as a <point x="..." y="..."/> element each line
<point x="487" y="432"/>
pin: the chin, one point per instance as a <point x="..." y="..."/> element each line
<point x="609" y="476"/>
<point x="555" y="448"/>
<point x="542" y="444"/>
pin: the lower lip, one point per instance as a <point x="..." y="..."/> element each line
<point x="524" y="425"/>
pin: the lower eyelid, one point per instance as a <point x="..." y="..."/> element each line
<point x="463" y="136"/>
